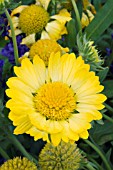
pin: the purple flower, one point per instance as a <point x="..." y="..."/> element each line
<point x="2" y="160"/>
<point x="4" y="25"/>
<point x="108" y="51"/>
<point x="1" y="68"/>
<point x="8" y="50"/>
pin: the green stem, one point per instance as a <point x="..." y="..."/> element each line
<point x="108" y="118"/>
<point x="100" y="154"/>
<point x="13" y="37"/>
<point x="88" y="165"/>
<point x="108" y="107"/>
<point x="21" y="148"/>
<point x="77" y="15"/>
<point x="4" y="154"/>
<point x="95" y="162"/>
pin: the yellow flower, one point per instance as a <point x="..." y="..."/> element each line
<point x="35" y="19"/>
<point x="18" y="164"/>
<point x="86" y="18"/>
<point x="55" y="103"/>
<point x="65" y="156"/>
<point x="43" y="48"/>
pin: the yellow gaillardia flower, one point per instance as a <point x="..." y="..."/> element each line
<point x="43" y="48"/>
<point x="18" y="164"/>
<point x="35" y="19"/>
<point x="65" y="156"/>
<point x="86" y="18"/>
<point x="57" y="102"/>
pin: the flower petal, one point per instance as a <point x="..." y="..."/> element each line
<point x="53" y="127"/>
<point x="40" y="70"/>
<point x="54" y="67"/>
<point x="27" y="74"/>
<point x="38" y="120"/>
<point x="63" y="16"/>
<point x="38" y="134"/>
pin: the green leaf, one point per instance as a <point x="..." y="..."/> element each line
<point x="108" y="88"/>
<point x="102" y="74"/>
<point x="102" y="133"/>
<point x="103" y="19"/>
<point x="70" y="38"/>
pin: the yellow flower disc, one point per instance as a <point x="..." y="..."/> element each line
<point x="19" y="164"/>
<point x="43" y="48"/>
<point x="65" y="156"/>
<point x="33" y="19"/>
<point x="56" y="101"/>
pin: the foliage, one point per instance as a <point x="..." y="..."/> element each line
<point x="98" y="149"/>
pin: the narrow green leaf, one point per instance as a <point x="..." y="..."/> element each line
<point x="102" y="74"/>
<point x="102" y="20"/>
<point x="71" y="36"/>
<point x="108" y="88"/>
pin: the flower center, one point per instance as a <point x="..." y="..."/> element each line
<point x="43" y="48"/>
<point x="55" y="101"/>
<point x="33" y="19"/>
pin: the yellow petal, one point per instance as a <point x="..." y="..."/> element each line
<point x="17" y="31"/>
<point x="40" y="70"/>
<point x="92" y="99"/>
<point x="53" y="126"/>
<point x="29" y="40"/>
<point x="67" y="133"/>
<point x="79" y="79"/>
<point x="18" y="10"/>
<point x="15" y="21"/>
<point x="45" y="35"/>
<point x="88" y="107"/>
<point x="63" y="16"/>
<point x="80" y="64"/>
<point x="84" y="134"/>
<point x="18" y="119"/>
<point x="91" y="86"/>
<point x="19" y="96"/>
<point x="17" y="84"/>
<point x="56" y="138"/>
<point x="44" y="3"/>
<point x="68" y="67"/>
<point x="38" y="134"/>
<point x="79" y="123"/>
<point x="54" y="67"/>
<point x="23" y="127"/>
<point x="27" y="74"/>
<point x="84" y="20"/>
<point x="55" y="30"/>
<point x="20" y="108"/>
<point x="38" y="120"/>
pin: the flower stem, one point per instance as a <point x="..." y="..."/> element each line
<point x="13" y="37"/>
<point x="100" y="154"/>
<point x="77" y="15"/>
<point x="108" y="118"/>
<point x="21" y="148"/>
<point x="88" y="165"/>
<point x="95" y="162"/>
<point x="4" y="154"/>
<point x="108" y="107"/>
